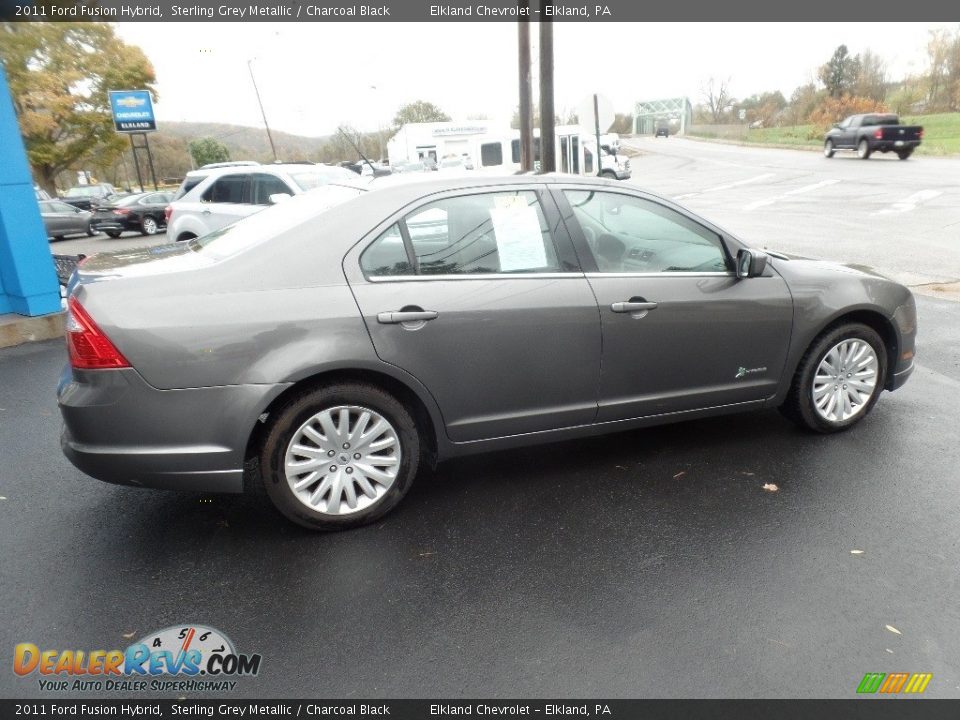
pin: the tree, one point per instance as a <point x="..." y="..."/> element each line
<point x="59" y="75"/>
<point x="419" y="111"/>
<point x="716" y="96"/>
<point x="840" y="72"/>
<point x="938" y="51"/>
<point x="833" y="109"/>
<point x="871" y="79"/>
<point x="208" y="150"/>
<point x="902" y="100"/>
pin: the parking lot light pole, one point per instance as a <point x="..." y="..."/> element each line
<point x="273" y="148"/>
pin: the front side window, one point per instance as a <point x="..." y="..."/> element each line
<point x="627" y="234"/>
<point x="227" y="189"/>
<point x="266" y="185"/>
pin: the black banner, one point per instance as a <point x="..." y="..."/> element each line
<point x="467" y="11"/>
<point x="854" y="709"/>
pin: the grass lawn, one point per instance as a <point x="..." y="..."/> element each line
<point x="941" y="134"/>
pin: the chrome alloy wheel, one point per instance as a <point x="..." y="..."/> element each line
<point x="342" y="460"/>
<point x="845" y="380"/>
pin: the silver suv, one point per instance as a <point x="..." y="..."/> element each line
<point x="212" y="198"/>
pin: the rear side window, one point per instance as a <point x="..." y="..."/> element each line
<point x="499" y="232"/>
<point x="387" y="255"/>
<point x="227" y="189"/>
<point x="188" y="184"/>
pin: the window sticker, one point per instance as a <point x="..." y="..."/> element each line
<point x="518" y="235"/>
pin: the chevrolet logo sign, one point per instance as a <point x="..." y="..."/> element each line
<point x="130" y="102"/>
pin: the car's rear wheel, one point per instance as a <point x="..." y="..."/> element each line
<point x="149" y="226"/>
<point x="839" y="379"/>
<point x="113" y="234"/>
<point x="904" y="154"/>
<point x="339" y="456"/>
<point x="863" y="149"/>
<point x="90" y="231"/>
<point x="828" y="150"/>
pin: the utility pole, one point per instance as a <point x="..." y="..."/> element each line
<point x="548" y="150"/>
<point x="262" y="111"/>
<point x="526" y="91"/>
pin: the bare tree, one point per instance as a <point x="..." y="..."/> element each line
<point x="938" y="50"/>
<point x="871" y="80"/>
<point x="716" y="96"/>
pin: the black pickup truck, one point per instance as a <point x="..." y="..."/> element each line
<point x="867" y="134"/>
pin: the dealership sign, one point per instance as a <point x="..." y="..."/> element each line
<point x="132" y="111"/>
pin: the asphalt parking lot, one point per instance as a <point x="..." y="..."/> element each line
<point x="650" y="563"/>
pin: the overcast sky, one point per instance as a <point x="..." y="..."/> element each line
<point x="315" y="75"/>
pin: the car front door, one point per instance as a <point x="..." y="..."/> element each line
<point x="848" y="131"/>
<point x="476" y="296"/>
<point x="680" y="331"/>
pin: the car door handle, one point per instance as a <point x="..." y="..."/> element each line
<point x="205" y="212"/>
<point x="633" y="306"/>
<point x="411" y="316"/>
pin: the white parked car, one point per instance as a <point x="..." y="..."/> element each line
<point x="212" y="198"/>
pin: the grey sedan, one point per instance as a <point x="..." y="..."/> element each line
<point x="324" y="349"/>
<point x="61" y="219"/>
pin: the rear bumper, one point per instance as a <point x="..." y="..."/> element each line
<point x="120" y="429"/>
<point x="887" y="145"/>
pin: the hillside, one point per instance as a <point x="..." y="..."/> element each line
<point x="244" y="143"/>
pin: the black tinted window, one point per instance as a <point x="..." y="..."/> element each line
<point x="228" y="189"/>
<point x="491" y="154"/>
<point x="387" y="255"/>
<point x="266" y="185"/>
<point x="503" y="232"/>
<point x="189" y="184"/>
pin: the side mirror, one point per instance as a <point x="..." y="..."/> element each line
<point x="278" y="198"/>
<point x="751" y="263"/>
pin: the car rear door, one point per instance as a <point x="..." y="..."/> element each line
<point x="680" y="331"/>
<point x="227" y="200"/>
<point x="479" y="296"/>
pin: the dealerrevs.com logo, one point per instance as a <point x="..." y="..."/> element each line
<point x="177" y="658"/>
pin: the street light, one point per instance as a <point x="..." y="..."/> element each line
<point x="262" y="111"/>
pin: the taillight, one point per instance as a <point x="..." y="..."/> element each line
<point x="121" y="211"/>
<point x="920" y="134"/>
<point x="878" y="133"/>
<point x="167" y="213"/>
<point x="88" y="347"/>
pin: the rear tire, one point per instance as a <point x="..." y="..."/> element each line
<point x="904" y="154"/>
<point x="113" y="234"/>
<point x="306" y="429"/>
<point x="819" y="398"/>
<point x="863" y="149"/>
<point x="148" y="225"/>
<point x="828" y="150"/>
<point x="608" y="174"/>
<point x="90" y="231"/>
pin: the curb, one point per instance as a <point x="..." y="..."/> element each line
<point x="18" y="329"/>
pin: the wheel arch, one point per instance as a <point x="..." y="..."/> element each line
<point x="870" y="317"/>
<point x="426" y="419"/>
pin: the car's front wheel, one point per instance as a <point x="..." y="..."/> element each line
<point x="828" y="150"/>
<point x="339" y="456"/>
<point x="838" y="380"/>
<point x="149" y="226"/>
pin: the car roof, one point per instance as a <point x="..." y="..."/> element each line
<point x="244" y="169"/>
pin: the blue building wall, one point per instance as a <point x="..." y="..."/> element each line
<point x="28" y="280"/>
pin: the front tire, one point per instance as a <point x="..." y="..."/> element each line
<point x="608" y="174"/>
<point x="838" y="380"/>
<point x="113" y="234"/>
<point x="828" y="149"/>
<point x="863" y="149"/>
<point x="339" y="456"/>
<point x="90" y="231"/>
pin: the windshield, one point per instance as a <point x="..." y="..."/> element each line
<point x="273" y="221"/>
<point x="83" y="191"/>
<point x="316" y="177"/>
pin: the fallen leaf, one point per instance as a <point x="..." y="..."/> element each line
<point x="620" y="467"/>
<point x="889" y="650"/>
<point x="892" y="629"/>
<point x="680" y="474"/>
<point x="856" y="552"/>
<point x="744" y="472"/>
<point x="426" y="554"/>
<point x="770" y="487"/>
<point x="3" y="497"/>
<point x="128" y="635"/>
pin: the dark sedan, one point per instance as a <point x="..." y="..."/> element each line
<point x="342" y="339"/>
<point x="143" y="213"/>
<point x="61" y="219"/>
